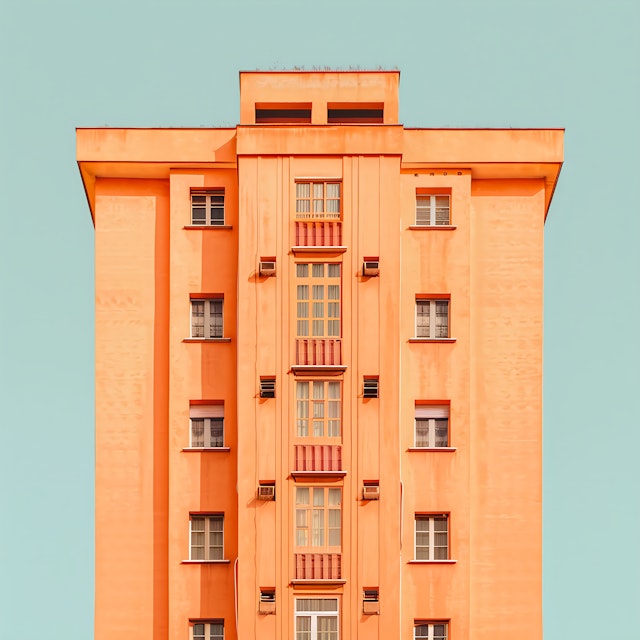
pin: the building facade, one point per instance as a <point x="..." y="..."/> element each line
<point x="318" y="371"/>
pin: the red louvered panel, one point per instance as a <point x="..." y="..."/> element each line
<point x="318" y="566"/>
<point x="318" y="351"/>
<point x="318" y="234"/>
<point x="318" y="457"/>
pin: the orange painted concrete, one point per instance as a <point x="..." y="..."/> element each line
<point x="489" y="261"/>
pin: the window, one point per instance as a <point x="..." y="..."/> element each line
<point x="207" y="208"/>
<point x="318" y="300"/>
<point x="430" y="630"/>
<point x="318" y="518"/>
<point x="316" y="619"/>
<point x="207" y="426"/>
<point x="432" y="537"/>
<point x="432" y="210"/>
<point x="318" y="200"/>
<point x="432" y="319"/>
<point x="432" y="426"/>
<point x="213" y="630"/>
<point x="206" y="533"/>
<point x="318" y="409"/>
<point x="206" y="318"/>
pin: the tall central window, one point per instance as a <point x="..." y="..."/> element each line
<point x="318" y="408"/>
<point x="318" y="518"/>
<point x="316" y="619"/>
<point x="318" y="300"/>
<point x="318" y="200"/>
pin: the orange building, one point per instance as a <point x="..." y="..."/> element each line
<point x="318" y="371"/>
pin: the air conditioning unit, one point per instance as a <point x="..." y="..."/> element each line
<point x="267" y="268"/>
<point x="371" y="268"/>
<point x="371" y="492"/>
<point x="371" y="602"/>
<point x="267" y="387"/>
<point x="267" y="601"/>
<point x="370" y="387"/>
<point x="267" y="492"/>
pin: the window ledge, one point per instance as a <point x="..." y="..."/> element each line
<point x="318" y="474"/>
<point x="432" y="561"/>
<point x="207" y="340"/>
<point x="205" y="561"/>
<point x="432" y="449"/>
<point x="208" y="227"/>
<point x="432" y="339"/>
<point x="318" y="368"/>
<point x="328" y="581"/>
<point x="439" y="227"/>
<point x="322" y="249"/>
<point x="207" y="449"/>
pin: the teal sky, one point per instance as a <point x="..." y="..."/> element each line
<point x="164" y="63"/>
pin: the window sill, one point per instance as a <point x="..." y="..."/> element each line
<point x="432" y="561"/>
<point x="432" y="339"/>
<point x="319" y="581"/>
<point x="318" y="474"/>
<point x="208" y="227"/>
<point x="318" y="368"/>
<point x="323" y="249"/>
<point x="449" y="449"/>
<point x="439" y="227"/>
<point x="207" y="449"/>
<point x="205" y="562"/>
<point x="207" y="340"/>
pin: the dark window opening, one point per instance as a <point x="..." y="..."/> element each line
<point x="355" y="116"/>
<point x="286" y="116"/>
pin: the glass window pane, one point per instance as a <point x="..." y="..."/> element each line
<point x="197" y="432"/>
<point x="318" y="190"/>
<point x="303" y="292"/>
<point x="302" y="495"/>
<point x="318" y="497"/>
<point x="317" y="270"/>
<point x="333" y="270"/>
<point x="335" y="497"/>
<point x="302" y="271"/>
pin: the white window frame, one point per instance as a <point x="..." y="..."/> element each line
<point x="434" y="416"/>
<point x="319" y="204"/>
<point x="316" y="527"/>
<point x="210" y="633"/>
<point x="211" y="553"/>
<point x="430" y="629"/>
<point x="312" y="634"/>
<point x="318" y="300"/>
<point x="427" y="307"/>
<point x="427" y="212"/>
<point x="430" y="550"/>
<point x="314" y="413"/>
<point x="212" y="206"/>
<point x="211" y="332"/>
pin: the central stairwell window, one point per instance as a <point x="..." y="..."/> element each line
<point x="318" y="300"/>
<point x="318" y="409"/>
<point x="316" y="619"/>
<point x="318" y="200"/>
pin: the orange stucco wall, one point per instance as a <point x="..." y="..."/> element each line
<point x="148" y="264"/>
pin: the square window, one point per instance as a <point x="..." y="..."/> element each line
<point x="207" y="208"/>
<point x="316" y="619"/>
<point x="432" y="319"/>
<point x="318" y="200"/>
<point x="432" y="210"/>
<point x="207" y="426"/>
<point x="426" y="630"/>
<point x="207" y="630"/>
<point x="431" y="426"/>
<point x="318" y="408"/>
<point x="206" y="318"/>
<point x="206" y="534"/>
<point x="432" y="537"/>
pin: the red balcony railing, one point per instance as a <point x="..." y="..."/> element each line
<point x="318" y="457"/>
<point x="318" y="234"/>
<point x="318" y="566"/>
<point x="318" y="351"/>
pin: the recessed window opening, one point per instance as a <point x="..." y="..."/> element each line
<point x="286" y="113"/>
<point x="355" y="113"/>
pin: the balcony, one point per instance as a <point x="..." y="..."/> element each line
<point x="317" y="460"/>
<point x="318" y="234"/>
<point x="312" y="567"/>
<point x="319" y="352"/>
